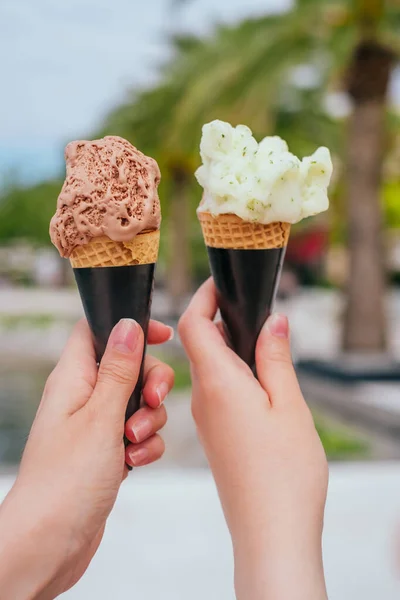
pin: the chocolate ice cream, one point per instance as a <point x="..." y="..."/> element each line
<point x="110" y="190"/>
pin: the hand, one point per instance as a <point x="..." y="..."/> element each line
<point x="264" y="452"/>
<point x="53" y="520"/>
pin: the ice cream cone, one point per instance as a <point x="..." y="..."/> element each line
<point x="115" y="281"/>
<point x="253" y="191"/>
<point x="229" y="231"/>
<point x="246" y="261"/>
<point x="103" y="252"/>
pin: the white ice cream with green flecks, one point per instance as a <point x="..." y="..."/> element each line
<point x="261" y="182"/>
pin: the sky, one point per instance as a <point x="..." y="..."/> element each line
<point x="66" y="64"/>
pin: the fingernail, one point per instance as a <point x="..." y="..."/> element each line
<point x="162" y="391"/>
<point x="171" y="333"/>
<point x="139" y="456"/>
<point x="141" y="429"/>
<point x="278" y="325"/>
<point x="125" y="335"/>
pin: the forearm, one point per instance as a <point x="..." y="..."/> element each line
<point x="285" y="580"/>
<point x="26" y="554"/>
<point x="276" y="558"/>
<point x="20" y="577"/>
<point x="288" y="569"/>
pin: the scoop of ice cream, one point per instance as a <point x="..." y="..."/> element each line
<point x="110" y="189"/>
<point x="261" y="182"/>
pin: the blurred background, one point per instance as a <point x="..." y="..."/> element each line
<point x="315" y="72"/>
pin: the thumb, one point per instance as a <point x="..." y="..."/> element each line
<point x="119" y="369"/>
<point x="274" y="364"/>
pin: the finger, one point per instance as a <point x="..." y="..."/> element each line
<point x="212" y="361"/>
<point x="79" y="351"/>
<point x="74" y="377"/>
<point x="145" y="423"/>
<point x="138" y="455"/>
<point x="274" y="362"/>
<point x="200" y="336"/>
<point x="119" y="370"/>
<point x="221" y="328"/>
<point x="158" y="381"/>
<point x="158" y="333"/>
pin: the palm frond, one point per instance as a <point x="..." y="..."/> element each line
<point x="243" y="74"/>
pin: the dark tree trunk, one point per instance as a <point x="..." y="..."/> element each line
<point x="179" y="255"/>
<point x="365" y="322"/>
<point x="364" y="326"/>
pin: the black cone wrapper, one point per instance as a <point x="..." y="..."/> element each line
<point x="246" y="282"/>
<point x="109" y="294"/>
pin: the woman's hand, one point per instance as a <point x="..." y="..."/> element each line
<point x="264" y="452"/>
<point x="53" y="520"/>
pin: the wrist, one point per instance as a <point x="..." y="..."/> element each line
<point x="27" y="554"/>
<point x="284" y="569"/>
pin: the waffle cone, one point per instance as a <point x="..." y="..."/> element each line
<point x="229" y="231"/>
<point x="103" y="252"/>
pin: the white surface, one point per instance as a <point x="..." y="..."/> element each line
<point x="166" y="538"/>
<point x="361" y="532"/>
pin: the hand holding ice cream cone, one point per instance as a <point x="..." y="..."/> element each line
<point x="107" y="223"/>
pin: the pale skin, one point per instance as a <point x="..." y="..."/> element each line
<point x="258" y="435"/>
<point x="265" y="454"/>
<point x="53" y="520"/>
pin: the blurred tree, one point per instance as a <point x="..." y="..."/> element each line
<point x="166" y="122"/>
<point x="367" y="83"/>
<point x="25" y="212"/>
<point x="350" y="42"/>
<point x="391" y="195"/>
<point x="275" y="73"/>
<point x="148" y="122"/>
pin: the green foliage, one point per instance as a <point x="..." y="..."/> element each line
<point x="35" y="321"/>
<point x="25" y="213"/>
<point x="182" y="373"/>
<point x="391" y="199"/>
<point x="339" y="442"/>
<point x="242" y="73"/>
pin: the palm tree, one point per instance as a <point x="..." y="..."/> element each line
<point x="147" y="119"/>
<point x="367" y="84"/>
<point x="166" y="121"/>
<point x="243" y="72"/>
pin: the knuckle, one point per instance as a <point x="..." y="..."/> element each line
<point x="80" y="325"/>
<point x="160" y="445"/>
<point x="162" y="370"/>
<point x="116" y="371"/>
<point x="170" y="374"/>
<point x="196" y="411"/>
<point x="183" y="325"/>
<point x="278" y="355"/>
<point x="163" y="416"/>
<point x="51" y="382"/>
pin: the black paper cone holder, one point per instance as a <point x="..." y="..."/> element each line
<point x="246" y="283"/>
<point x="110" y="294"/>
